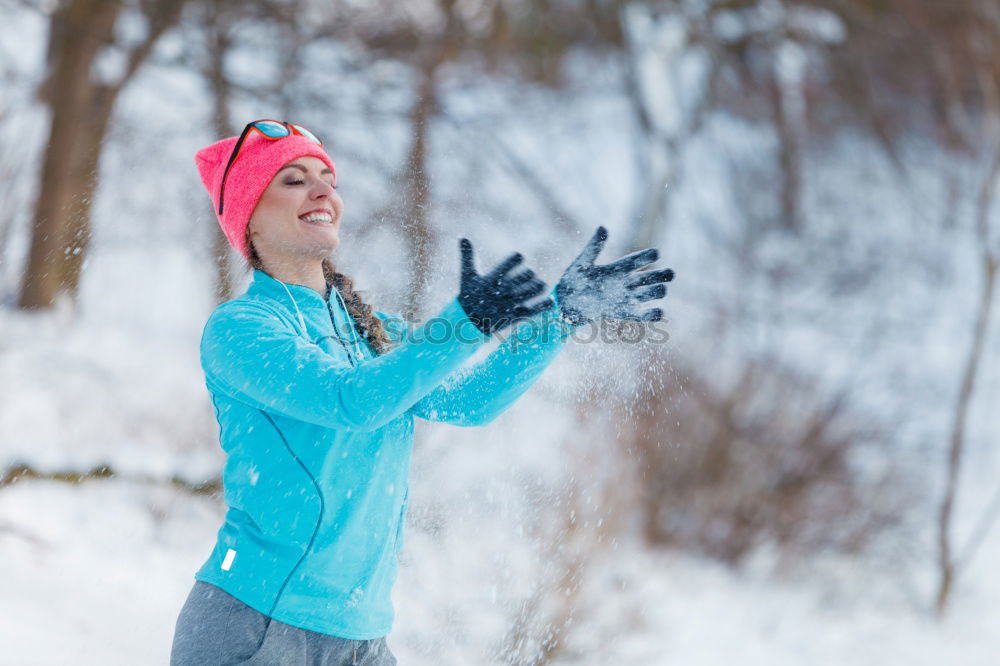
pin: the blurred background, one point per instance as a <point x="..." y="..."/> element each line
<point x="804" y="469"/>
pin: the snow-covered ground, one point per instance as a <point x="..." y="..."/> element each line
<point x="95" y="573"/>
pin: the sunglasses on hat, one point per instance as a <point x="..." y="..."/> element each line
<point x="269" y="129"/>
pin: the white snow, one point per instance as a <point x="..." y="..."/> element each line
<point x="95" y="572"/>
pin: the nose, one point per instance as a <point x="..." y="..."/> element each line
<point x="322" y="189"/>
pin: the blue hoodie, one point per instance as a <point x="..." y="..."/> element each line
<point x="318" y="432"/>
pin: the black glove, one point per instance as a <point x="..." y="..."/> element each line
<point x="586" y="292"/>
<point x="493" y="301"/>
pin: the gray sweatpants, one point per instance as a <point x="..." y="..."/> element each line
<point x="215" y="628"/>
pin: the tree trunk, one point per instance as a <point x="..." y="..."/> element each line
<point x="946" y="561"/>
<point x="219" y="44"/>
<point x="789" y="158"/>
<point x="417" y="200"/>
<point x="78" y="30"/>
<point x="91" y="129"/>
<point x="80" y="107"/>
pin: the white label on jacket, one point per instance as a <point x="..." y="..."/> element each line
<point x="228" y="562"/>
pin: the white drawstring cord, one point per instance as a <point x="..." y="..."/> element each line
<point x="302" y="321"/>
<point x="297" y="311"/>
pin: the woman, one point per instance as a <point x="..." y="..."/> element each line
<point x="315" y="395"/>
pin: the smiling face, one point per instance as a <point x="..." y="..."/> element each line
<point x="298" y="216"/>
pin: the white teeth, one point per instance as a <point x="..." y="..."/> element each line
<point x="324" y="218"/>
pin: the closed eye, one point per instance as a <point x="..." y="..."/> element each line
<point x="299" y="182"/>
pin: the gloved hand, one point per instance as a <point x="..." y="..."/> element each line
<point x="493" y="301"/>
<point x="586" y="292"/>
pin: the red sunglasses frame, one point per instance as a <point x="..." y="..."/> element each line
<point x="292" y="129"/>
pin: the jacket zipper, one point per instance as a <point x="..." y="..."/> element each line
<point x="347" y="350"/>
<point x="350" y="356"/>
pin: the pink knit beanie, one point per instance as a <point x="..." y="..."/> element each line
<point x="258" y="162"/>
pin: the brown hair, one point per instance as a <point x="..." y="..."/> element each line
<point x="368" y="324"/>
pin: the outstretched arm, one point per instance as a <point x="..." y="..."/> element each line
<point x="476" y="395"/>
<point x="250" y="353"/>
<point x="585" y="292"/>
